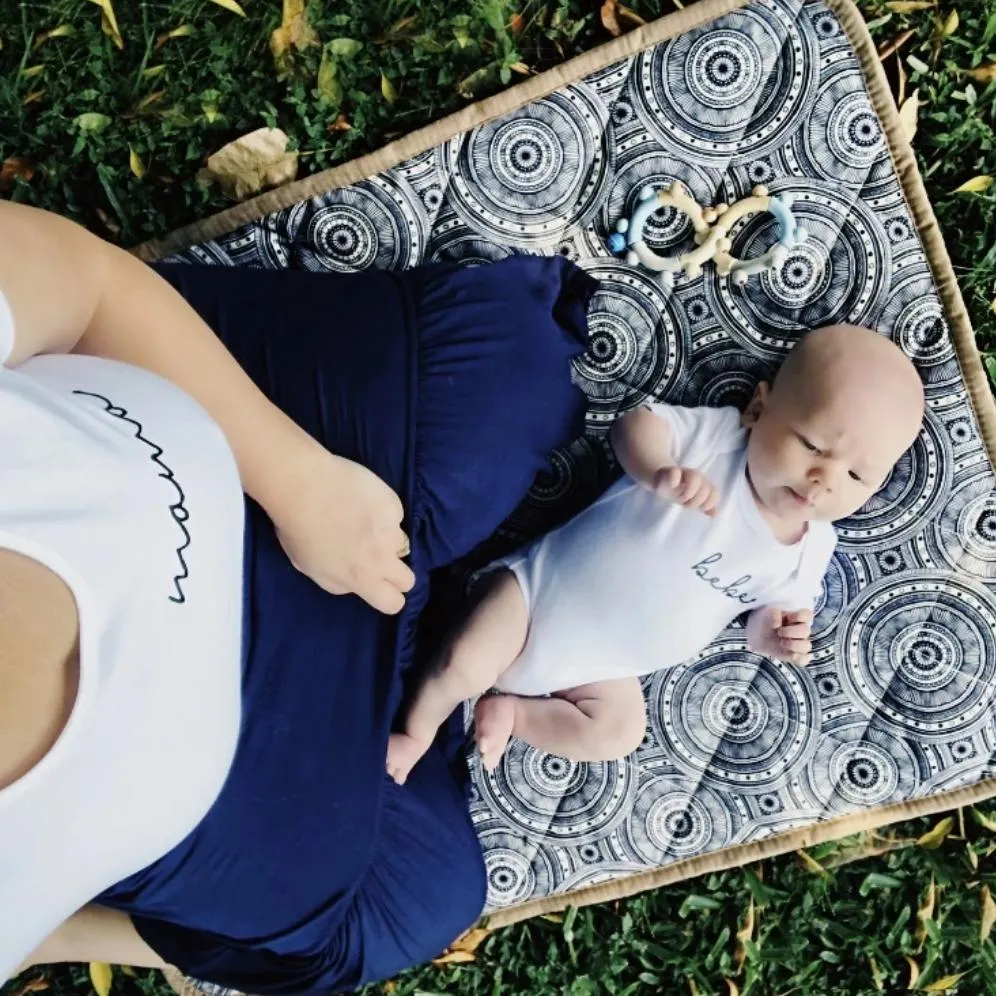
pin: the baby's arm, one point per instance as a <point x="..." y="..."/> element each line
<point x="642" y="443"/>
<point x="775" y="632"/>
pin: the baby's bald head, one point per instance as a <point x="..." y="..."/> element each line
<point x="845" y="406"/>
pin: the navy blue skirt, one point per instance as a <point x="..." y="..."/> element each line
<point x="313" y="871"/>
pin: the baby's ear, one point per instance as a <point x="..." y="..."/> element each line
<point x="756" y="406"/>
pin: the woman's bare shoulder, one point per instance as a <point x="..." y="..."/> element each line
<point x="39" y="662"/>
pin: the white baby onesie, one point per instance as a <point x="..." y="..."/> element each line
<point x="635" y="583"/>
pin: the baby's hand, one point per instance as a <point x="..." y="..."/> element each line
<point x="777" y="633"/>
<point x="688" y="488"/>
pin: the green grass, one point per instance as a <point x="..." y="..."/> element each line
<point x="173" y="104"/>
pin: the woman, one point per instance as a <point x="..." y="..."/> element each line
<point x="196" y="690"/>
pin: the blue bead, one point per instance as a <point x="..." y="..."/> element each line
<point x="616" y="242"/>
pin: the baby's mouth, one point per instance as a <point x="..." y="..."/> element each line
<point x="800" y="499"/>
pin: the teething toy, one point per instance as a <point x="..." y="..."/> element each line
<point x="712" y="227"/>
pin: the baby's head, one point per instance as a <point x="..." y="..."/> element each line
<point x="846" y="404"/>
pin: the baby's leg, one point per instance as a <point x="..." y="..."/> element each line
<point x="602" y="721"/>
<point x="470" y="663"/>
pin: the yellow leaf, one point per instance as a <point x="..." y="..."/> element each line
<point x="812" y="865"/>
<point x="129" y="971"/>
<point x="985" y="73"/>
<point x="943" y="985"/>
<point x="610" y="20"/>
<point x="109" y="22"/>
<point x="148" y="100"/>
<point x="925" y="912"/>
<point x="250" y="163"/>
<point x="977" y="185"/>
<point x="950" y="24"/>
<point x="472" y="940"/>
<point x="934" y="837"/>
<point x="914" y="972"/>
<point x="454" y="958"/>
<point x="32" y="71"/>
<point x="34" y="96"/>
<point x="693" y="989"/>
<point x="62" y="31"/>
<point x="909" y="6"/>
<point x="734" y="989"/>
<point x="136" y="164"/>
<point x="295" y="31"/>
<point x="152" y="72"/>
<point x="908" y="115"/>
<point x="101" y="975"/>
<point x="553" y="917"/>
<point x="629" y="15"/>
<point x="988" y="913"/>
<point x="876" y="973"/>
<point x="230" y="5"/>
<point x="973" y="858"/>
<point x="519" y="67"/>
<point x="387" y="89"/>
<point x="983" y="820"/>
<point x="745" y="933"/>
<point x="329" y="87"/>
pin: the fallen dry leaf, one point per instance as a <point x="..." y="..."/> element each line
<point x="909" y="6"/>
<point x="950" y="25"/>
<point x="62" y="31"/>
<point x="516" y="24"/>
<point x="812" y="865"/>
<point x="341" y="123"/>
<point x="109" y="22"/>
<point x="34" y="96"/>
<point x="902" y="79"/>
<point x="230" y="5"/>
<point x="101" y="975"/>
<point x="943" y="984"/>
<point x="745" y="933"/>
<point x="734" y="989"/>
<point x="914" y="972"/>
<point x="387" y="89"/>
<point x="977" y="185"/>
<point x="610" y="18"/>
<point x="934" y="837"/>
<point x="250" y="163"/>
<point x="908" y="114"/>
<point x="295" y="32"/>
<point x="471" y="940"/>
<point x="926" y="912"/>
<point x="36" y="985"/>
<point x="136" y="164"/>
<point x="985" y="73"/>
<point x="890" y="47"/>
<point x="988" y="913"/>
<point x="183" y="31"/>
<point x="876" y="974"/>
<point x="629" y="15"/>
<point x="15" y="168"/>
<point x="454" y="958"/>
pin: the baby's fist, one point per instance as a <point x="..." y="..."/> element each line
<point x="688" y="487"/>
<point x="780" y="634"/>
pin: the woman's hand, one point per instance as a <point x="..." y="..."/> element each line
<point x="340" y="525"/>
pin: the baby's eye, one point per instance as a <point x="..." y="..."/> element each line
<point x="809" y="446"/>
<point x="856" y="477"/>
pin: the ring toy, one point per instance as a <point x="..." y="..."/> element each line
<point x="712" y="227"/>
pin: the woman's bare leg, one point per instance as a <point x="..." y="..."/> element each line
<point x="95" y="933"/>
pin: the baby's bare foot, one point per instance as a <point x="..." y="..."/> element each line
<point x="494" y="717"/>
<point x="403" y="753"/>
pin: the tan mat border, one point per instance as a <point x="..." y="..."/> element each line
<point x="940" y="264"/>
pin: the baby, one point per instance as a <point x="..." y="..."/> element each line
<point x="718" y="514"/>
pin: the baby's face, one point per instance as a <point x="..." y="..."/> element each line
<point x="818" y="455"/>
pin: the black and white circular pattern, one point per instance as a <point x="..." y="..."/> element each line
<point x="526" y="178"/>
<point x="545" y="797"/>
<point x="912" y="495"/>
<point x="918" y="652"/>
<point x="733" y="719"/>
<point x="732" y="92"/>
<point x="899" y="700"/>
<point x="379" y="223"/>
<point x="638" y="342"/>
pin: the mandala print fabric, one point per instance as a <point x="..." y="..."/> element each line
<point x="899" y="700"/>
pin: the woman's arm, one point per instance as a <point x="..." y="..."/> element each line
<point x="70" y="291"/>
<point x="95" y="933"/>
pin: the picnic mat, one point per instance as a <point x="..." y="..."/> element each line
<point x="744" y="757"/>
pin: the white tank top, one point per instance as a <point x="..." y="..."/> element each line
<point x="122" y="485"/>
